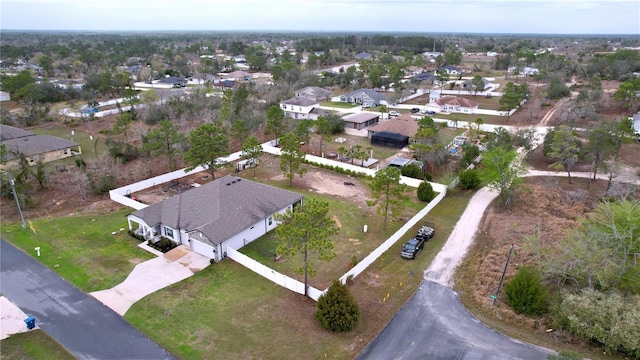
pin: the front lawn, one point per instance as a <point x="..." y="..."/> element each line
<point x="33" y="345"/>
<point x="339" y="104"/>
<point x="228" y="312"/>
<point x="82" y="249"/>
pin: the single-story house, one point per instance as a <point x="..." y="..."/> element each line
<point x="173" y="81"/>
<point x="298" y="107"/>
<point x="362" y="56"/>
<point x="425" y="76"/>
<point x="34" y="147"/>
<point x="364" y="97"/>
<point x="391" y="139"/>
<point x="525" y="71"/>
<point x="453" y="104"/>
<point x="228" y="212"/>
<point x="451" y="70"/>
<point x="238" y="75"/>
<point x="360" y="120"/>
<point x="404" y="124"/>
<point x="402" y="162"/>
<point x="317" y="112"/>
<point x="314" y="93"/>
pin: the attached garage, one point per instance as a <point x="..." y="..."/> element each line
<point x="391" y="139"/>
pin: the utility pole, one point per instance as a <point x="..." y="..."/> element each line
<point x="15" y="195"/>
<point x="495" y="296"/>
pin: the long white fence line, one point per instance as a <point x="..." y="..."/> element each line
<point x="272" y="275"/>
<point x="375" y="254"/>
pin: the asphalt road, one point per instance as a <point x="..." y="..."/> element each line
<point x="83" y="325"/>
<point x="434" y="325"/>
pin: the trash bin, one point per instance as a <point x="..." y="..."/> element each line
<point x="31" y="322"/>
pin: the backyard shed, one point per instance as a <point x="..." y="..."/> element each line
<point x="388" y="138"/>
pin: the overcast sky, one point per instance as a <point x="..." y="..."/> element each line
<point x="427" y="16"/>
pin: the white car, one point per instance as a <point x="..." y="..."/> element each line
<point x="393" y="113"/>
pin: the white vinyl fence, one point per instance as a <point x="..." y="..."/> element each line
<point x="375" y="254"/>
<point x="272" y="275"/>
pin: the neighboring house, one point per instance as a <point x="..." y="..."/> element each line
<point x="314" y="93"/>
<point x="362" y="56"/>
<point x="298" y="107"/>
<point x="5" y="96"/>
<point x="173" y="81"/>
<point x="317" y="112"/>
<point x="525" y="71"/>
<point x="238" y="75"/>
<point x="364" y="97"/>
<point x="425" y="76"/>
<point x="360" y="120"/>
<point x="453" y="104"/>
<point x="492" y="54"/>
<point x="404" y="124"/>
<point x="432" y="54"/>
<point x="451" y="70"/>
<point x="68" y="84"/>
<point x="228" y="212"/>
<point x="34" y="147"/>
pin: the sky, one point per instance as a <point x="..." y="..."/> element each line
<point x="419" y="16"/>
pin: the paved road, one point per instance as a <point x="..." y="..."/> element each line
<point x="84" y="326"/>
<point x="434" y="325"/>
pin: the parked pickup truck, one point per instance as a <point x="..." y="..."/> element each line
<point x="413" y="247"/>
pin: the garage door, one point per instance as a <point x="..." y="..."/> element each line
<point x="202" y="249"/>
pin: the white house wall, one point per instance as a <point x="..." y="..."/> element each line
<point x="253" y="232"/>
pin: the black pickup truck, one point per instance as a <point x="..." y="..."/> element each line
<point x="413" y="247"/>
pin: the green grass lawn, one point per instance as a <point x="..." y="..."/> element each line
<point x="81" y="137"/>
<point x="339" y="104"/>
<point x="226" y="311"/>
<point x="82" y="249"/>
<point x="33" y="345"/>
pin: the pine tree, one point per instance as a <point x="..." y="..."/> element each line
<point x="337" y="309"/>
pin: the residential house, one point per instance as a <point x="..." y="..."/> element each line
<point x="404" y="124"/>
<point x="453" y="104"/>
<point x="425" y="76"/>
<point x="362" y="56"/>
<point x="314" y="93"/>
<point x="364" y="97"/>
<point x="34" y="147"/>
<point x="451" y="70"/>
<point x="360" y="120"/>
<point x="228" y="212"/>
<point x="298" y="107"/>
<point x="524" y="71"/>
<point x="172" y="81"/>
<point x="238" y="75"/>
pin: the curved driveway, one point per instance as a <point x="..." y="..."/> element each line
<point x="80" y="323"/>
<point x="434" y="324"/>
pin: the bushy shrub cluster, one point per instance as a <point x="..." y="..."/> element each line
<point x="337" y="309"/>
<point x="102" y="186"/>
<point x="412" y="171"/>
<point x="608" y="319"/>
<point x="425" y="192"/>
<point x="164" y="244"/>
<point x="136" y="236"/>
<point x="469" y="179"/>
<point x="525" y="293"/>
<point x="339" y="169"/>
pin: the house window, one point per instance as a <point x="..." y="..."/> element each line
<point x="168" y="232"/>
<point x="66" y="151"/>
<point x="32" y="159"/>
<point x="270" y="220"/>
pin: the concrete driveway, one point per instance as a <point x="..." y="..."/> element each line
<point x="151" y="276"/>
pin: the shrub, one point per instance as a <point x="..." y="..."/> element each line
<point x="105" y="184"/>
<point x="470" y="153"/>
<point x="337" y="309"/>
<point x="525" y="294"/>
<point x="425" y="192"/>
<point x="606" y="318"/>
<point x="469" y="179"/>
<point x="412" y="171"/>
<point x="428" y="176"/>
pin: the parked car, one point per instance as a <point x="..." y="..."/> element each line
<point x="364" y="106"/>
<point x="412" y="248"/>
<point x="427" y="231"/>
<point x="393" y="113"/>
<point x="415" y="110"/>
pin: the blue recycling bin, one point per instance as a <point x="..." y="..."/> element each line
<point x="31" y="322"/>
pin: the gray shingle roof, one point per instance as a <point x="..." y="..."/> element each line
<point x="219" y="209"/>
<point x="361" y="117"/>
<point x="300" y="101"/>
<point x="9" y="132"/>
<point x="370" y="93"/>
